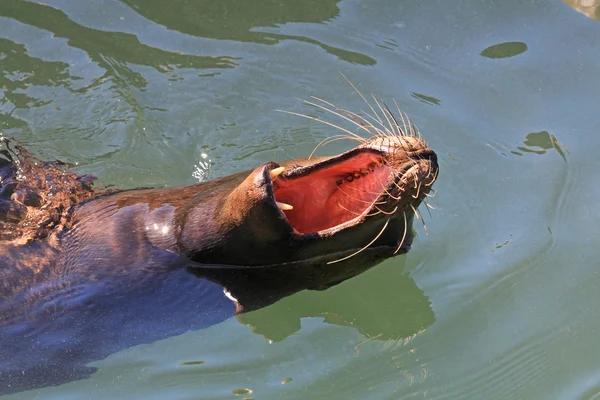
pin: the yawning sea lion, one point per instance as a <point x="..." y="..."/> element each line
<point x="86" y="272"/>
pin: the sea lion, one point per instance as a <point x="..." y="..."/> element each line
<point x="87" y="272"/>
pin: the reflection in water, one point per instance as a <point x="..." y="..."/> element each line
<point x="19" y="72"/>
<point x="240" y="20"/>
<point x="115" y="53"/>
<point x="504" y="50"/>
<point x="589" y="8"/>
<point x="398" y="309"/>
<point x="101" y="45"/>
<point x="540" y="143"/>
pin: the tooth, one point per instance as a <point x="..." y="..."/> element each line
<point x="275" y="172"/>
<point x="283" y="206"/>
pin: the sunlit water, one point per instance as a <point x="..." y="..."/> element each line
<point x="499" y="297"/>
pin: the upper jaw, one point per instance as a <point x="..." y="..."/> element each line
<point x="277" y="173"/>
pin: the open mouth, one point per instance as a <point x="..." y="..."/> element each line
<point x="333" y="192"/>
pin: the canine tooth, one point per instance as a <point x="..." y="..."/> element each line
<point x="283" y="206"/>
<point x="275" y="172"/>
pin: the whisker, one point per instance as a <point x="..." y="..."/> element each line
<point x="380" y="131"/>
<point x="375" y="213"/>
<point x="367" y="191"/>
<point x="425" y="227"/>
<point x="388" y="212"/>
<point x="373" y="130"/>
<point x="417" y="216"/>
<point x="360" y="200"/>
<point x="396" y="125"/>
<point x="361" y="95"/>
<point x="331" y="140"/>
<point x="336" y="113"/>
<point x="401" y="114"/>
<point x="427" y="208"/>
<point x="433" y="180"/>
<point x="418" y="190"/>
<point x="364" y="248"/>
<point x="350" y="211"/>
<point x="323" y="122"/>
<point x="403" y="235"/>
<point x="385" y="189"/>
<point x="384" y="115"/>
<point x="431" y="196"/>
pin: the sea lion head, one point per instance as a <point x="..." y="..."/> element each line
<point x="321" y="210"/>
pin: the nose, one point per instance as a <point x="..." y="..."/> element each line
<point x="425" y="154"/>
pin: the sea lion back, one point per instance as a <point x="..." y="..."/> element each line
<point x="36" y="197"/>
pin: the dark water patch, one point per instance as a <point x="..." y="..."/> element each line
<point x="241" y="21"/>
<point x="426" y="99"/>
<point x="191" y="363"/>
<point x="504" y="50"/>
<point x="102" y="46"/>
<point x="540" y="142"/>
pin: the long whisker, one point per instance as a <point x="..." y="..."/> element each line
<point x="417" y="215"/>
<point x="369" y="192"/>
<point x="323" y="122"/>
<point x="431" y="197"/>
<point x="361" y="95"/>
<point x="425" y="227"/>
<point x="354" y="117"/>
<point x="403" y="235"/>
<point x="359" y="214"/>
<point x="383" y="129"/>
<point x="329" y="110"/>
<point x="373" y="130"/>
<point x="389" y="123"/>
<point x="331" y="140"/>
<point x="427" y="208"/>
<point x="393" y="117"/>
<point x="360" y="200"/>
<point x="364" y="248"/>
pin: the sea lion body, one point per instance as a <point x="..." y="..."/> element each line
<point x="86" y="273"/>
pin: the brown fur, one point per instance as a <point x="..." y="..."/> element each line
<point x="36" y="197"/>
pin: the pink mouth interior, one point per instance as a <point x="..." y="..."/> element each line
<point x="333" y="195"/>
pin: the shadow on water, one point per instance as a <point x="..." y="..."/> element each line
<point x="402" y="309"/>
<point x="240" y="20"/>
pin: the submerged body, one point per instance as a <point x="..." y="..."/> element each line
<point x="86" y="273"/>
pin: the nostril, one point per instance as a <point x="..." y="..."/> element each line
<point x="426" y="154"/>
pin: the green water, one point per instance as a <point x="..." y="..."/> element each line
<point x="499" y="297"/>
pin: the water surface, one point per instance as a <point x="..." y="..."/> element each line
<point x="499" y="297"/>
